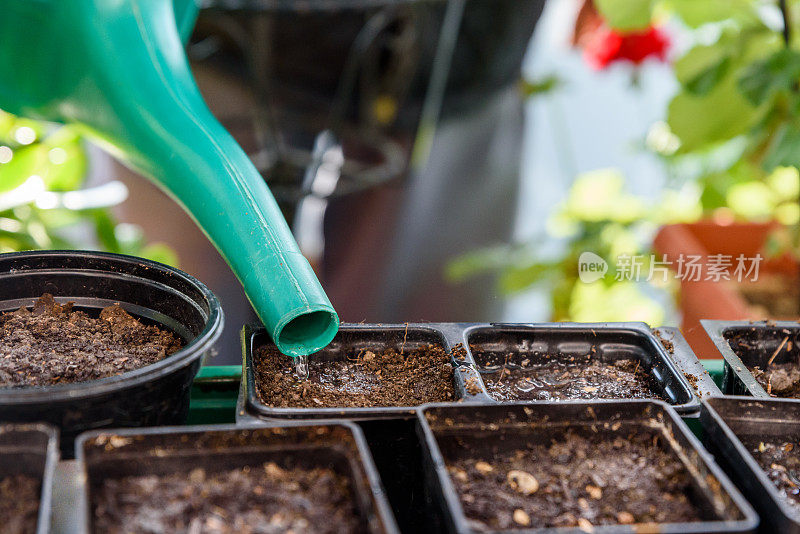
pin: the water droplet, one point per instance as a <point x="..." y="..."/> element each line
<point x="301" y="367"/>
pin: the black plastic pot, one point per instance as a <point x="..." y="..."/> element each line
<point x="157" y="394"/>
<point x="493" y="428"/>
<point x="726" y="420"/>
<point x="337" y="445"/>
<point x="32" y="450"/>
<point x="745" y="344"/>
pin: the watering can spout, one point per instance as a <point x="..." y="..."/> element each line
<point x="118" y="69"/>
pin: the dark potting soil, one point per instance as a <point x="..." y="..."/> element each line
<point x="54" y="344"/>
<point x="576" y="481"/>
<point x="780" y="460"/>
<point x="258" y="499"/>
<point x="779" y="379"/>
<point x="364" y="379"/>
<point x="569" y="380"/>
<point x="19" y="504"/>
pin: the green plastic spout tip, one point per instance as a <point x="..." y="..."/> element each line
<point x="118" y="68"/>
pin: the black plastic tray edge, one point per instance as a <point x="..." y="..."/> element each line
<point x="458" y="522"/>
<point x="737" y="378"/>
<point x="384" y="510"/>
<point x="687" y="362"/>
<point x="52" y="455"/>
<point x="744" y="470"/>
<point x="250" y="408"/>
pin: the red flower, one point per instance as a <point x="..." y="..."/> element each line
<point x="605" y="46"/>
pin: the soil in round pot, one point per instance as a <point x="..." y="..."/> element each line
<point x="272" y="496"/>
<point x="578" y="480"/>
<point x="52" y="343"/>
<point x="19" y="504"/>
<point x="365" y="378"/>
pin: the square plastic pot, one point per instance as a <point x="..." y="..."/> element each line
<point x="353" y="337"/>
<point x="32" y="450"/>
<point x="159" y="451"/>
<point x="608" y="342"/>
<point x="725" y="420"/>
<point x="501" y="427"/>
<point x="758" y="342"/>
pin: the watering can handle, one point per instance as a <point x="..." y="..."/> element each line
<point x="127" y="81"/>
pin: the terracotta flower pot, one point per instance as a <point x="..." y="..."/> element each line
<point x="705" y="298"/>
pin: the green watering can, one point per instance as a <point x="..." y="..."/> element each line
<point x="118" y="68"/>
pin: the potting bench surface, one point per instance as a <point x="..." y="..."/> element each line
<point x="216" y="388"/>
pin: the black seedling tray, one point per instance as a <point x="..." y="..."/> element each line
<point x="157" y="394"/>
<point x="493" y="427"/>
<point x="390" y="430"/>
<point x="338" y="445"/>
<point x="608" y="341"/>
<point x="756" y="343"/>
<point x="31" y="449"/>
<point x="725" y="420"/>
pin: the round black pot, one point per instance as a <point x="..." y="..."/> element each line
<point x="157" y="394"/>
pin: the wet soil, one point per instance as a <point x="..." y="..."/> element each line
<point x="576" y="481"/>
<point x="259" y="499"/>
<point x="569" y="380"/>
<point x="780" y="460"/>
<point x="53" y="344"/>
<point x="364" y="379"/>
<point x="19" y="504"/>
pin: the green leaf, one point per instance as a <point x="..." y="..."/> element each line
<point x="66" y="167"/>
<point x="519" y="279"/>
<point x="25" y="161"/>
<point x="161" y="253"/>
<point x="706" y="80"/>
<point x="700" y="59"/>
<point x="777" y="73"/>
<point x="784" y="151"/>
<point x="104" y="225"/>
<point x="541" y="86"/>
<point x="703" y="120"/>
<point x="753" y="201"/>
<point x="695" y="13"/>
<point x="626" y="15"/>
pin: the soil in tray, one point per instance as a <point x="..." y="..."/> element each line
<point x="263" y="498"/>
<point x="780" y="460"/>
<point x="569" y="380"/>
<point x="19" y="504"/>
<point x="364" y="379"/>
<point x="779" y="379"/>
<point x="54" y="344"/>
<point x="574" y="482"/>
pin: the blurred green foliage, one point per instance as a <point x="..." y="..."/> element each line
<point x="43" y="168"/>
<point x="730" y="142"/>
